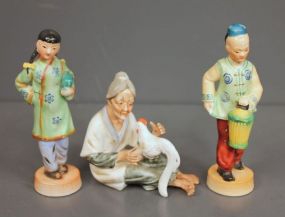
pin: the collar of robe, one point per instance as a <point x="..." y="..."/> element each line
<point x="117" y="135"/>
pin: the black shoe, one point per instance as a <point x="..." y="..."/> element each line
<point x="239" y="165"/>
<point x="226" y="175"/>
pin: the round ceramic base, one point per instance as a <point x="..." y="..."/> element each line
<point x="69" y="184"/>
<point x="243" y="184"/>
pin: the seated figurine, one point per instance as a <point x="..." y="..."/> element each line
<point x="113" y="149"/>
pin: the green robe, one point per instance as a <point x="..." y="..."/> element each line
<point x="41" y="86"/>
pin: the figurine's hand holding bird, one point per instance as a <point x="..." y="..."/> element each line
<point x="132" y="156"/>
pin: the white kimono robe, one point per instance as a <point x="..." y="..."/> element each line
<point x="101" y="137"/>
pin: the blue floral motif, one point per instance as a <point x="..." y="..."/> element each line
<point x="38" y="75"/>
<point x="56" y="120"/>
<point x="247" y="74"/>
<point x="24" y="93"/>
<point x="225" y="97"/>
<point x="228" y="78"/>
<point x="49" y="98"/>
<point x="55" y="71"/>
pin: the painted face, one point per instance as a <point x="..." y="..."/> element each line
<point x="47" y="51"/>
<point x="122" y="104"/>
<point x="238" y="48"/>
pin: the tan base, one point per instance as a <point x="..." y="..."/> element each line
<point x="69" y="184"/>
<point x="243" y="184"/>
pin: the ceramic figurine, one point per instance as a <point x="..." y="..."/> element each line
<point x="232" y="104"/>
<point x="48" y="84"/>
<point x="121" y="151"/>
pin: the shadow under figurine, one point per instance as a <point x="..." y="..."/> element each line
<point x="232" y="104"/>
<point x="47" y="84"/>
<point x="121" y="151"/>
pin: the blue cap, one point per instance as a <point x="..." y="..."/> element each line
<point x="236" y="29"/>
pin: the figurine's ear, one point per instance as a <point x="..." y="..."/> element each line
<point x="108" y="101"/>
<point x="38" y="44"/>
<point x="58" y="47"/>
<point x="227" y="47"/>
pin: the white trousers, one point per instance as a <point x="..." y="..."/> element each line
<point x="54" y="153"/>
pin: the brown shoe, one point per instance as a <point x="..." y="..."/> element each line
<point x="53" y="175"/>
<point x="63" y="168"/>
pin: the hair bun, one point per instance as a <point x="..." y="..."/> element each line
<point x="120" y="83"/>
<point x="122" y="76"/>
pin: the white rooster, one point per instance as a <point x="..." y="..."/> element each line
<point x="153" y="146"/>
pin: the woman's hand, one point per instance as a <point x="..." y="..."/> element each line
<point x="132" y="156"/>
<point x="67" y="91"/>
<point x="157" y="129"/>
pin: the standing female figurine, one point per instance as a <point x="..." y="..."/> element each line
<point x="114" y="149"/>
<point x="47" y="84"/>
<point x="239" y="86"/>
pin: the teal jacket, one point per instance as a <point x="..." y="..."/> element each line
<point x="234" y="83"/>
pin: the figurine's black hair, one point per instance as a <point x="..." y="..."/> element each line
<point x="49" y="36"/>
<point x="226" y="36"/>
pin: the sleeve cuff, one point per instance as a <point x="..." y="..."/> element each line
<point x="208" y="97"/>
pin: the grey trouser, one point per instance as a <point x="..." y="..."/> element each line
<point x="54" y="153"/>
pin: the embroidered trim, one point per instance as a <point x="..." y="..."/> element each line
<point x="38" y="137"/>
<point x="208" y="97"/>
<point x="118" y="136"/>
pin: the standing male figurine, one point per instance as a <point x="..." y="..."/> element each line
<point x="239" y="85"/>
<point x="47" y="84"/>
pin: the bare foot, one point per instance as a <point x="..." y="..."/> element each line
<point x="190" y="177"/>
<point x="184" y="184"/>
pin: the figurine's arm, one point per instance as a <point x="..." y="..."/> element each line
<point x="68" y="90"/>
<point x="23" y="82"/>
<point x="103" y="160"/>
<point x="254" y="93"/>
<point x="208" y="86"/>
<point x="108" y="160"/>
<point x="131" y="156"/>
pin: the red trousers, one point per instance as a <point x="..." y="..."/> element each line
<point x="226" y="155"/>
